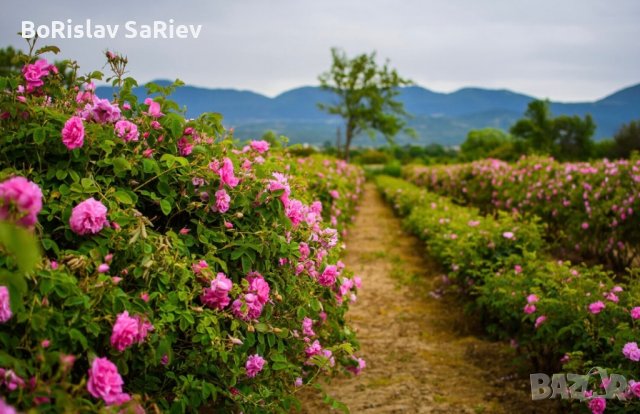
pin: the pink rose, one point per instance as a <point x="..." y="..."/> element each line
<point x="223" y="201"/>
<point x="597" y="405"/>
<point x="6" y="408"/>
<point x="529" y="308"/>
<point x="540" y="321"/>
<point x="259" y="286"/>
<point x="126" y="130"/>
<point x="88" y="217"/>
<point x="154" y="108"/>
<point x="307" y="327"/>
<point x="259" y="146"/>
<point x="596" y="307"/>
<point x="217" y="295"/>
<point x="631" y="351"/>
<point x="73" y="133"/>
<point x="635" y="312"/>
<point x="105" y="382"/>
<point x="226" y="173"/>
<point x="5" y="306"/>
<point x="328" y="276"/>
<point x="255" y="364"/>
<point x="20" y="201"/>
<point x="125" y="332"/>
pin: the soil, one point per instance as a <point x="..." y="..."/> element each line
<point x="423" y="353"/>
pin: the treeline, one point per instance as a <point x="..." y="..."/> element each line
<point x="538" y="132"/>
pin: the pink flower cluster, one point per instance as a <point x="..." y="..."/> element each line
<point x="20" y="201"/>
<point x="129" y="330"/>
<point x="530" y="307"/>
<point x="105" y="382"/>
<point x="249" y="305"/>
<point x="360" y="364"/>
<point x="11" y="380"/>
<point x="88" y="217"/>
<point x="217" y="295"/>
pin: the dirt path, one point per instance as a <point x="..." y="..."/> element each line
<point x="420" y="357"/>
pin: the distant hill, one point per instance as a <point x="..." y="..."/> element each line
<point x="444" y="118"/>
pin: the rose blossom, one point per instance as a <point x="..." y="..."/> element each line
<point x="73" y="133"/>
<point x="226" y="173"/>
<point x="154" y="108"/>
<point x="20" y="200"/>
<point x="260" y="146"/>
<point x="635" y="312"/>
<point x="105" y="382"/>
<point x="255" y="363"/>
<point x="217" y="295"/>
<point x="328" y="276"/>
<point x="597" y="405"/>
<point x="6" y="408"/>
<point x="5" y="306"/>
<point x="529" y="308"/>
<point x="631" y="351"/>
<point x="127" y="130"/>
<point x="540" y="321"/>
<point x="222" y="201"/>
<point x="596" y="307"/>
<point x="129" y="330"/>
<point x="307" y="327"/>
<point x="88" y="217"/>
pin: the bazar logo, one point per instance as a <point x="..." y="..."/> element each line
<point x="576" y="386"/>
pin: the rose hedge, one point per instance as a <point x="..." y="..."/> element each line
<point x="590" y="207"/>
<point x="178" y="271"/>
<point x="560" y="316"/>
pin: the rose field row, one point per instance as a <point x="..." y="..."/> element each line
<point x="560" y="316"/>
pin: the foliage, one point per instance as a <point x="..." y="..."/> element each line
<point x="590" y="208"/>
<point x="487" y="142"/>
<point x="183" y="206"/>
<point x="627" y="140"/>
<point x="564" y="137"/>
<point x="560" y="316"/>
<point x="366" y="95"/>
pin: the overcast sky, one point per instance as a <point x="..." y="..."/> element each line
<point x="566" y="50"/>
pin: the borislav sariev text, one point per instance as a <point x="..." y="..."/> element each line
<point x="131" y="29"/>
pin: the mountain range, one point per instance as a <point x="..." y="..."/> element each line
<point x="443" y="118"/>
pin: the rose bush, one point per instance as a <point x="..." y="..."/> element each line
<point x="562" y="317"/>
<point x="179" y="271"/>
<point x="589" y="207"/>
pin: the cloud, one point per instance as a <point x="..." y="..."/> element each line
<point x="569" y="50"/>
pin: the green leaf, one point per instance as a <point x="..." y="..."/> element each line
<point x="123" y="197"/>
<point x="121" y="165"/>
<point x="39" y="135"/>
<point x="77" y="336"/>
<point x="165" y="206"/>
<point x="261" y="327"/>
<point x="21" y="244"/>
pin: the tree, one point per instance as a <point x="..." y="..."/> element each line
<point x="482" y="143"/>
<point x="536" y="128"/>
<point x="365" y="93"/>
<point x="627" y="139"/>
<point x="565" y="137"/>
